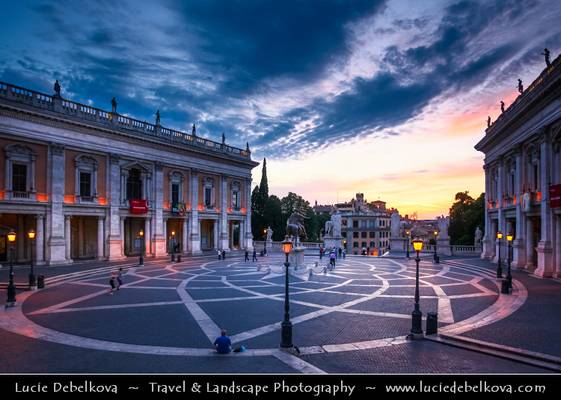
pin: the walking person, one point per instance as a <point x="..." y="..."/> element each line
<point x="332" y="257"/>
<point x="254" y="255"/>
<point x="340" y="252"/>
<point x="344" y="253"/>
<point x="246" y="255"/>
<point x="219" y="255"/>
<point x="223" y="254"/>
<point x="320" y="252"/>
<point x="112" y="283"/>
<point x="120" y="278"/>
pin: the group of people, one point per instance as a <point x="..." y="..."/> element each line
<point x="116" y="280"/>
<point x="254" y="255"/>
<point x="334" y="254"/>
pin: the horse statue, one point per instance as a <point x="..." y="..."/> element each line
<point x="328" y="229"/>
<point x="295" y="226"/>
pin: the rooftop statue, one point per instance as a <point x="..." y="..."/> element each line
<point x="223" y="138"/>
<point x="502" y="106"/>
<point x="488" y="121"/>
<point x="57" y="88"/>
<point x="114" y="105"/>
<point x="520" y="86"/>
<point x="194" y="130"/>
<point x="158" y="117"/>
<point x="546" y="55"/>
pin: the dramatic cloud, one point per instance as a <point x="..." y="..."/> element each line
<point x="294" y="78"/>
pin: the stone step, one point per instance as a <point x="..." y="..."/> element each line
<point x="536" y="359"/>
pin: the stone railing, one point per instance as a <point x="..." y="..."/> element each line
<point x="259" y="245"/>
<point x="83" y="113"/>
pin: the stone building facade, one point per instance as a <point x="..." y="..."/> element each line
<point x="364" y="226"/>
<point x="88" y="181"/>
<point x="523" y="177"/>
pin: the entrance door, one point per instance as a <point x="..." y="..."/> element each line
<point x="207" y="234"/>
<point x="132" y="227"/>
<point x="235" y="234"/>
<point x="3" y="248"/>
<point x="537" y="228"/>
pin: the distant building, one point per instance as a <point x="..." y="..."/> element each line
<point x="364" y="226"/>
<point x="523" y="177"/>
<point x="320" y="209"/>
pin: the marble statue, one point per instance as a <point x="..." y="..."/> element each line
<point x="395" y="225"/>
<point x="502" y="106"/>
<point x="158" y="117"/>
<point x="328" y="229"/>
<point x="269" y="234"/>
<point x="443" y="223"/>
<point x="194" y="130"/>
<point x="478" y="236"/>
<point x="57" y="88"/>
<point x="546" y="55"/>
<point x="295" y="226"/>
<point x="114" y="105"/>
<point x="337" y="222"/>
<point x="520" y="86"/>
<point x="488" y="121"/>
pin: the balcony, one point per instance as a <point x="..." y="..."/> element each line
<point x="21" y="195"/>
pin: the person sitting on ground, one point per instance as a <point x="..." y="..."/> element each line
<point x="223" y="343"/>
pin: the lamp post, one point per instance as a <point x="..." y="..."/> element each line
<point x="32" y="281"/>
<point x="141" y="258"/>
<point x="417" y="315"/>
<point x="436" y="260"/>
<point x="286" y="326"/>
<point x="408" y="233"/>
<point x="172" y="245"/>
<point x="509" y="238"/>
<point x="11" y="287"/>
<point x="264" y="242"/>
<point x="499" y="266"/>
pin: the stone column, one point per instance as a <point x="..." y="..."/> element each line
<point x="56" y="245"/>
<point x="518" y="250"/>
<point x="501" y="225"/>
<point x="185" y="235"/>
<point x="166" y="235"/>
<point x="558" y="246"/>
<point x="194" y="237"/>
<point x="215" y="235"/>
<point x="248" y="235"/>
<point x="160" y="248"/>
<point x="20" y="238"/>
<point x="147" y="236"/>
<point x="116" y="223"/>
<point x="40" y="240"/>
<point x="530" y="245"/>
<point x="100" y="236"/>
<point x="487" y="252"/>
<point x="122" y="235"/>
<point x="67" y="237"/>
<point x="545" y="250"/>
<point x="224" y="239"/>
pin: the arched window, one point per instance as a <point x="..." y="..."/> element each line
<point x="19" y="180"/>
<point x="175" y="187"/>
<point x="236" y="200"/>
<point x="208" y="193"/>
<point x="85" y="172"/>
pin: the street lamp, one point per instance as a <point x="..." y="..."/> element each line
<point x="417" y="315"/>
<point x="509" y="238"/>
<point x="436" y="260"/>
<point x="499" y="266"/>
<point x="172" y="243"/>
<point x="286" y="332"/>
<point x="11" y="287"/>
<point x="32" y="281"/>
<point x="408" y="233"/>
<point x="264" y="242"/>
<point x="141" y="258"/>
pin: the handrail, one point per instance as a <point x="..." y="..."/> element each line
<point x="112" y="120"/>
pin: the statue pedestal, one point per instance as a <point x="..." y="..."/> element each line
<point x="296" y="257"/>
<point x="443" y="247"/>
<point x="398" y="244"/>
<point x="333" y="242"/>
<point x="269" y="245"/>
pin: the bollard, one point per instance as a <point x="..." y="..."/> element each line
<point x="505" y="289"/>
<point x="41" y="282"/>
<point x="432" y="323"/>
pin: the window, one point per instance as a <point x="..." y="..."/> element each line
<point x="174" y="193"/>
<point x="363" y="244"/>
<point x="372" y="244"/>
<point x="355" y="245"/>
<point x="344" y="234"/>
<point x="208" y="196"/>
<point x="85" y="184"/>
<point x="208" y="193"/>
<point x="355" y="234"/>
<point x="134" y="185"/>
<point x="372" y="234"/>
<point x="363" y="235"/>
<point x="236" y="195"/>
<point x="19" y="178"/>
<point x="355" y="224"/>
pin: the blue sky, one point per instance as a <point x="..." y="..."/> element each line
<point x="350" y="96"/>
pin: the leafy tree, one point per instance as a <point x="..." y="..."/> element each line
<point x="273" y="217"/>
<point x="466" y="214"/>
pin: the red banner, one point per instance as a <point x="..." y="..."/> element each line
<point x="555" y="196"/>
<point x="138" y="206"/>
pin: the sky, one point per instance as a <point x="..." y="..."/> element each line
<point x="385" y="98"/>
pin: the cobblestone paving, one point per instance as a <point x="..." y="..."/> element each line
<point x="175" y="311"/>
